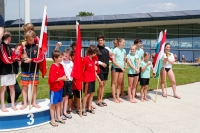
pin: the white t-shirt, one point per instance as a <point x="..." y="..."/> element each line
<point x="68" y="65"/>
<point x="170" y="57"/>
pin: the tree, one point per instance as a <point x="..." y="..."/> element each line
<point x="85" y="14"/>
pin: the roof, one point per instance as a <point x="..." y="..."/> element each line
<point x="110" y="19"/>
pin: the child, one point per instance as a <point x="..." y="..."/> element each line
<point x="55" y="81"/>
<point x="26" y="28"/>
<point x="89" y="79"/>
<point x="119" y="58"/>
<point x="146" y="67"/>
<point x="7" y="75"/>
<point x="67" y="91"/>
<point x="140" y="53"/>
<point x="29" y="54"/>
<point x="133" y="72"/>
<point x="16" y="68"/>
<point x="68" y="99"/>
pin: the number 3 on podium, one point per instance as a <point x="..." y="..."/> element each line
<point x="31" y="119"/>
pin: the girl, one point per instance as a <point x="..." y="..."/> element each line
<point x="89" y="79"/>
<point x="146" y="67"/>
<point x="168" y="61"/>
<point x="119" y="58"/>
<point x="133" y="72"/>
<point x="7" y="75"/>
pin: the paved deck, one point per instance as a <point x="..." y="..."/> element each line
<point x="167" y="115"/>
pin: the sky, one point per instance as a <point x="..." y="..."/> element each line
<point x="70" y="8"/>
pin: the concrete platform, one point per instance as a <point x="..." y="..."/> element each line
<point x="168" y="115"/>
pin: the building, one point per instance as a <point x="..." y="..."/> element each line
<point x="183" y="30"/>
<point x="2" y="9"/>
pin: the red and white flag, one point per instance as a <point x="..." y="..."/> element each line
<point x="43" y="42"/>
<point x="77" y="71"/>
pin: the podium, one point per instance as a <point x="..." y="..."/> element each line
<point x="22" y="119"/>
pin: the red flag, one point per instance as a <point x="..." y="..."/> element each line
<point x="77" y="71"/>
<point x="43" y="42"/>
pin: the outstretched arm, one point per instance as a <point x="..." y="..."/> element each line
<point x="58" y="45"/>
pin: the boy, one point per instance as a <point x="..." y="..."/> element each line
<point x="103" y="57"/>
<point x="7" y="75"/>
<point x="56" y="83"/>
<point x="29" y="54"/>
<point x="89" y="77"/>
<point x="67" y="92"/>
<point x="16" y="68"/>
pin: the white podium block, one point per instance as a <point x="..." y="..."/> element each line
<point x="21" y="119"/>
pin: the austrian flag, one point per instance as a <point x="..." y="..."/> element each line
<point x="43" y="42"/>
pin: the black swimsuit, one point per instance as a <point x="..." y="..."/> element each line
<point x="167" y="69"/>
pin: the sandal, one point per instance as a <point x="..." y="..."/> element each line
<point x="68" y="116"/>
<point x="100" y="104"/>
<point x="53" y="124"/>
<point x="84" y="113"/>
<point x="78" y="112"/>
<point x="91" y="111"/>
<point x="63" y="117"/>
<point x="60" y="121"/>
<point x="69" y="111"/>
<point x="104" y="104"/>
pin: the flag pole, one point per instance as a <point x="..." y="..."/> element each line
<point x="80" y="104"/>
<point x="32" y="87"/>
<point x="157" y="87"/>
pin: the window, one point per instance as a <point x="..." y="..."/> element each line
<point x="188" y="55"/>
<point x="185" y="36"/>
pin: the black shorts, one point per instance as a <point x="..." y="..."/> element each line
<point x="133" y="75"/>
<point x="91" y="87"/>
<point x="67" y="90"/>
<point x="119" y="70"/>
<point x="144" y="81"/>
<point x="103" y="76"/>
<point x="77" y="93"/>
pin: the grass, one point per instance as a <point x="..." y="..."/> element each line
<point x="185" y="74"/>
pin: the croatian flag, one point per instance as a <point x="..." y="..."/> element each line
<point x="159" y="53"/>
<point x="77" y="71"/>
<point x="43" y="42"/>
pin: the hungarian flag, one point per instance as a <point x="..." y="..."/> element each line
<point x="43" y="42"/>
<point x="159" y="53"/>
<point x="77" y="71"/>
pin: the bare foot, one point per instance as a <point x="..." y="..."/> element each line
<point x="23" y="107"/>
<point x="14" y="108"/>
<point x="142" y="100"/>
<point x="146" y="99"/>
<point x="134" y="101"/>
<point x="4" y="109"/>
<point x="119" y="100"/>
<point x="176" y="96"/>
<point x="36" y="106"/>
<point x="93" y="107"/>
<point x="115" y="100"/>
<point x="164" y="95"/>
